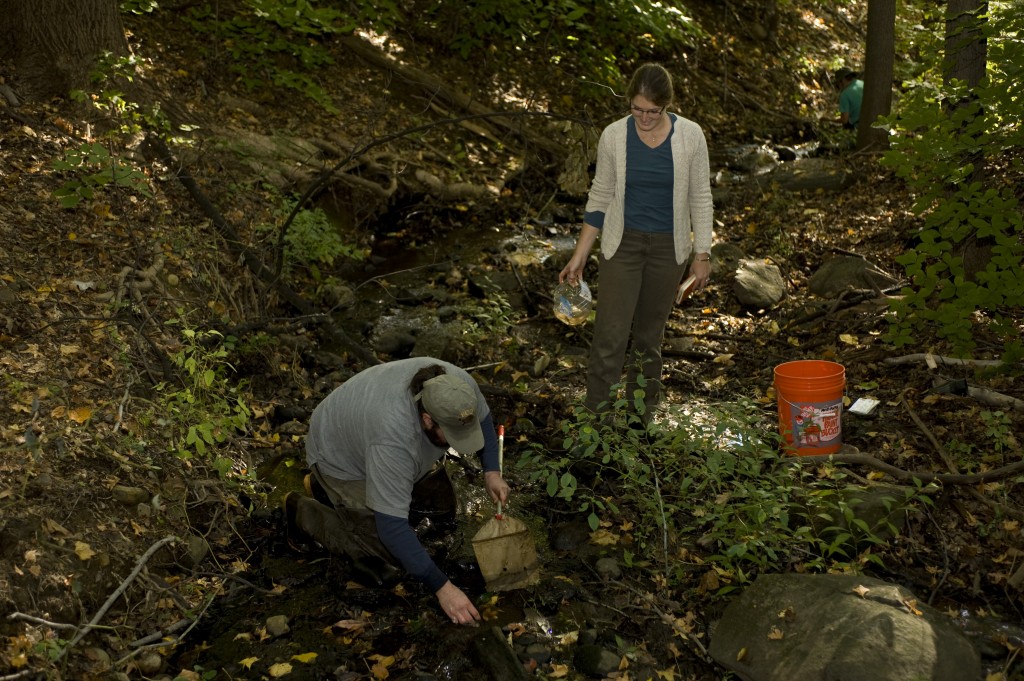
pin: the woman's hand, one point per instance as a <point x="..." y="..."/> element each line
<point x="701" y="269"/>
<point x="574" y="270"/>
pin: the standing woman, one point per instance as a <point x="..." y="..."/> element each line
<point x="650" y="202"/>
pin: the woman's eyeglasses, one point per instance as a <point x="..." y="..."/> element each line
<point x="637" y="111"/>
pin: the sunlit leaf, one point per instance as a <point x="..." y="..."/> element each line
<point x="80" y="414"/>
<point x="603" y="537"/>
<point x="305" y="658"/>
<point x="558" y="671"/>
<point x="280" y="669"/>
<point x="83" y="550"/>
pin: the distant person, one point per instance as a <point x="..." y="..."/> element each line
<point x="851" y="92"/>
<point x="374" y="447"/>
<point x="650" y="203"/>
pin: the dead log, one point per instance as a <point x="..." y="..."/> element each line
<point x="497" y="656"/>
<point x="444" y="95"/>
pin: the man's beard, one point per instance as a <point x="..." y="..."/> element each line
<point x="435" y="436"/>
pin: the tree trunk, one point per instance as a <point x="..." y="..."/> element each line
<point x="878" y="70"/>
<point x="54" y="43"/>
<point x="966" y="49"/>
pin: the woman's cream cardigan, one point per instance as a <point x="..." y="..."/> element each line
<point x="691" y="194"/>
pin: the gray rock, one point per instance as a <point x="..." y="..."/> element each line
<point x="758" y="284"/>
<point x="725" y="259"/>
<point x="397" y="343"/>
<point x="811" y="174"/>
<point x="827" y="628"/>
<point x="594" y="660"/>
<point x="608" y="568"/>
<point x="129" y="496"/>
<point x="277" y="625"/>
<point x="539" y="652"/>
<point x="847" y="272"/>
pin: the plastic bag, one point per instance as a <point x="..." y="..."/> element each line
<point x="573" y="302"/>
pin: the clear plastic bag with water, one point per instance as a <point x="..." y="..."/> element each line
<point x="573" y="302"/>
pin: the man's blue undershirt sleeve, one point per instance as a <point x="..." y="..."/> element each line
<point x="398" y="537"/>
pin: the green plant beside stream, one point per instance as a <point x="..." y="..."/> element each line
<point x="713" y="484"/>
<point x="208" y="408"/>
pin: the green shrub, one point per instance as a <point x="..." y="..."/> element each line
<point x="712" y="482"/>
<point x="955" y="149"/>
<point x="207" y="409"/>
<point x="310" y="241"/>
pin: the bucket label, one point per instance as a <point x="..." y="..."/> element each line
<point x="817" y="424"/>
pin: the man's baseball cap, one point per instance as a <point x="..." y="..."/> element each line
<point x="452" y="404"/>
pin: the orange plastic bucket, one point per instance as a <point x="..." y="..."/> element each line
<point x="810" y="397"/>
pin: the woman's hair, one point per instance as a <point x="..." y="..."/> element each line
<point x="421" y="377"/>
<point x="652" y="82"/>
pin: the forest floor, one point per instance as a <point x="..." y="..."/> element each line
<point x="101" y="523"/>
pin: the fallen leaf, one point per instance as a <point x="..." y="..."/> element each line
<point x="305" y="658"/>
<point x="558" y="671"/>
<point x="248" y="662"/>
<point x="380" y="667"/>
<point x="355" y="626"/>
<point x="668" y="675"/>
<point x="776" y="634"/>
<point x="83" y="550"/>
<point x="742" y="655"/>
<point x="861" y="590"/>
<point x="849" y="339"/>
<point x="603" y="538"/>
<point x="80" y="414"/>
<point x="280" y="669"/>
<point x="53" y="527"/>
<point x="911" y="604"/>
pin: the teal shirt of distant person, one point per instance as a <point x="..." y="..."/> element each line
<point x="850" y="97"/>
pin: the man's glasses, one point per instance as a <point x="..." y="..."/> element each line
<point x="637" y="111"/>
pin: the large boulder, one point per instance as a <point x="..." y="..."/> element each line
<point x="838" y="628"/>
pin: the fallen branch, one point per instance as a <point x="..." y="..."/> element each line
<point x="854" y="457"/>
<point x="117" y="594"/>
<point x="995" y="399"/>
<point x="36" y="620"/>
<point x="950" y="361"/>
<point x="158" y="149"/>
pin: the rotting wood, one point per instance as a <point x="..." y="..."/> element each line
<point x="497" y="656"/>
